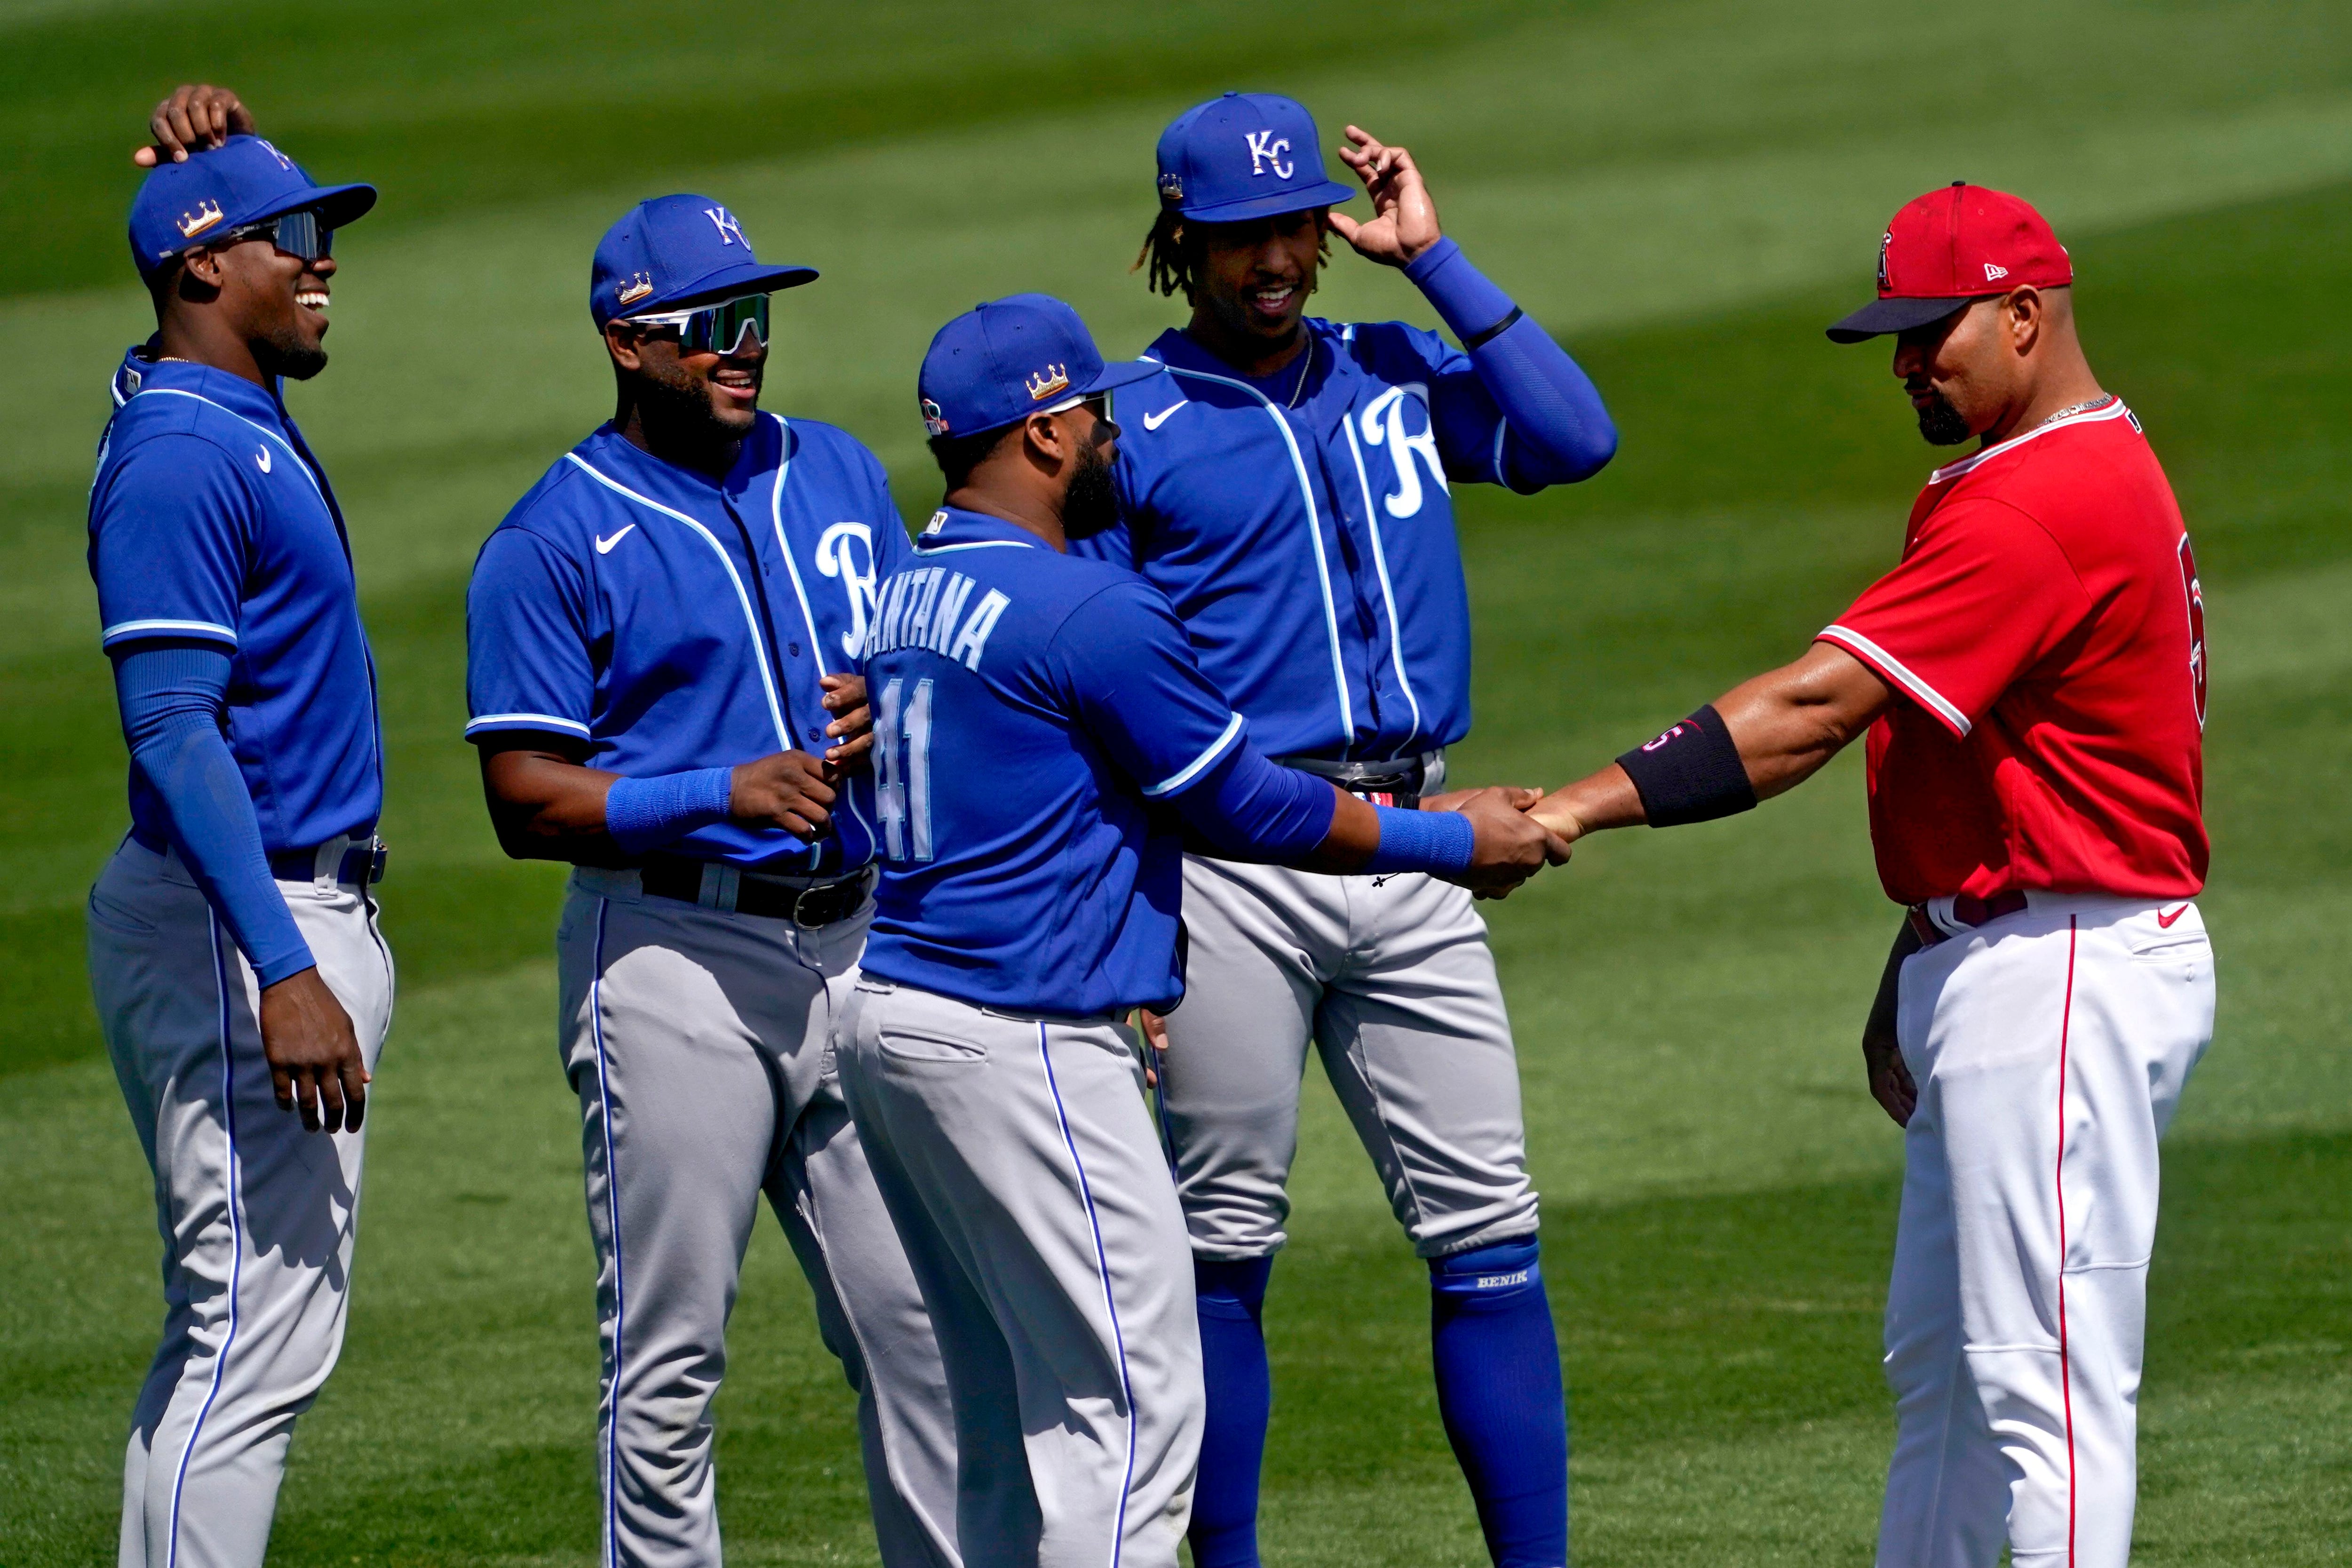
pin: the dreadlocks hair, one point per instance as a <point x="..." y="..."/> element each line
<point x="1172" y="253"/>
<point x="1165" y="248"/>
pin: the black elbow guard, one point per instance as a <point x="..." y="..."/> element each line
<point x="1690" y="773"/>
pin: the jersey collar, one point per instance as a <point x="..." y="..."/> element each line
<point x="2112" y="409"/>
<point x="951" y="528"/>
<point x="1173" y="348"/>
<point x="676" y="485"/>
<point x="141" y="372"/>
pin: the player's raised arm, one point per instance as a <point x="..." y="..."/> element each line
<point x="1554" y="427"/>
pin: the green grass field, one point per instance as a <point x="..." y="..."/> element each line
<point x="1685" y="191"/>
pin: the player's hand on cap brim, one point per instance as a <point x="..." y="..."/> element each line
<point x="194" y="119"/>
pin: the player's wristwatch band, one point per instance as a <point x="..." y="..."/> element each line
<point x="808" y="902"/>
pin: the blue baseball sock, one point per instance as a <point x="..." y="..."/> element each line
<point x="1231" y="1298"/>
<point x="1499" y="1389"/>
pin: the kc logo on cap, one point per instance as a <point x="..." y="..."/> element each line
<point x="1244" y="155"/>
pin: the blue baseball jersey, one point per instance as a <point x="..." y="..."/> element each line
<point x="1034" y="715"/>
<point x="674" y="621"/>
<point x="211" y="521"/>
<point x="1309" y="546"/>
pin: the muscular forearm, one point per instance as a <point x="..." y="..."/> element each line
<point x="1784" y="726"/>
<point x="1560" y="431"/>
<point x="546" y="806"/>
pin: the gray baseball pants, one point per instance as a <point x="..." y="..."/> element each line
<point x="1017" y="1156"/>
<point x="699" y="1042"/>
<point x="1391" y="977"/>
<point x="257" y="1217"/>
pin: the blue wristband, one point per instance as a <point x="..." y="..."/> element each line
<point x="1437" y="842"/>
<point x="644" y="814"/>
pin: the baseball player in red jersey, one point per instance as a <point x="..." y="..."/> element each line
<point x="2032" y="675"/>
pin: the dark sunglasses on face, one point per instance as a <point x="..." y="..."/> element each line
<point x="298" y="234"/>
<point x="713" y="328"/>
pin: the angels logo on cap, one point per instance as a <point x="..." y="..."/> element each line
<point x="1950" y="246"/>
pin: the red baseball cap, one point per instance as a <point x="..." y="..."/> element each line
<point x="1950" y="246"/>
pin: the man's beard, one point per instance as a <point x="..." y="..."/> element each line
<point x="283" y="352"/>
<point x="678" y="412"/>
<point x="1092" y="504"/>
<point x="1940" y="424"/>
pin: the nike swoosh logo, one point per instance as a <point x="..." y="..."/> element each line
<point x="1154" y="421"/>
<point x="604" y="545"/>
<point x="2165" y="921"/>
<point x="262" y="458"/>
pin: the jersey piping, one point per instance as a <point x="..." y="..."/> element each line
<point x="1888" y="664"/>
<point x="121" y="629"/>
<point x="1380" y="567"/>
<point x="549" y="719"/>
<point x="799" y="592"/>
<point x="1191" y="770"/>
<point x="2114" y="410"/>
<point x="1314" y="534"/>
<point x="263" y="429"/>
<point x="743" y="599"/>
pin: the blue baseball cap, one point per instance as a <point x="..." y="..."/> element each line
<point x="181" y="205"/>
<point x="1244" y="155"/>
<point x="675" y="251"/>
<point x="999" y="362"/>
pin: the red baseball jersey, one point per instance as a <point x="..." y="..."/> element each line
<point x="2047" y="625"/>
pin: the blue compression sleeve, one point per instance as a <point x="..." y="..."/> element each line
<point x="1259" y="810"/>
<point x="1438" y="842"/>
<point x="1560" y="431"/>
<point x="644" y="814"/>
<point x="171" y="697"/>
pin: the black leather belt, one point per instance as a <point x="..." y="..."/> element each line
<point x="1969" y="911"/>
<point x="807" y="902"/>
<point x="357" y="863"/>
<point x="1399" y="782"/>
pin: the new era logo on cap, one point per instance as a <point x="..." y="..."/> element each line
<point x="1950" y="246"/>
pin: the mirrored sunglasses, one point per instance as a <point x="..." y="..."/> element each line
<point x="714" y="329"/>
<point x="296" y="233"/>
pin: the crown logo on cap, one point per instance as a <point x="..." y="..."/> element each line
<point x="191" y="224"/>
<point x="1046" y="382"/>
<point x="935" y="419"/>
<point x="639" y="287"/>
<point x="1171" y="187"/>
